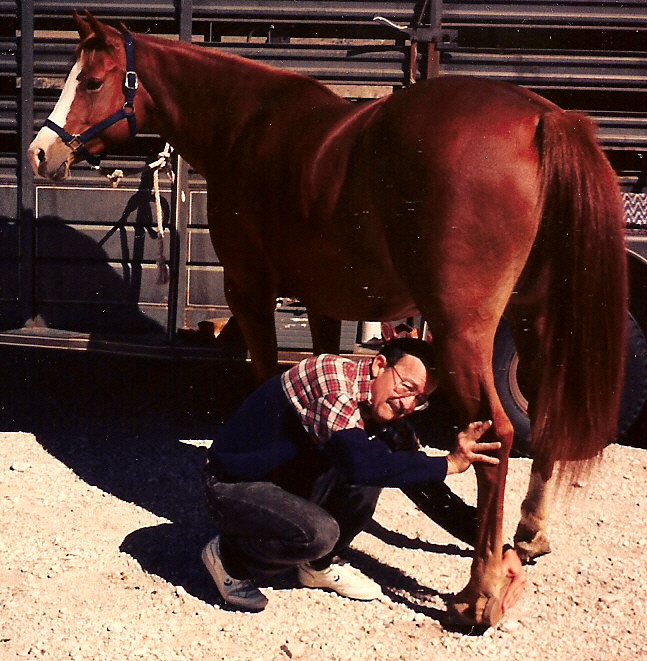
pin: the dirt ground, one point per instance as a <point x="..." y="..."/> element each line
<point x="103" y="524"/>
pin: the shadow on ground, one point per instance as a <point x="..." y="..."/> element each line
<point x="118" y="423"/>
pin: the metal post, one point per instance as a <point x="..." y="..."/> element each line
<point x="432" y="64"/>
<point x="179" y="209"/>
<point x="26" y="195"/>
<point x="424" y="34"/>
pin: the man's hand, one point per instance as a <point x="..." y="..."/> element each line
<point x="513" y="570"/>
<point x="467" y="448"/>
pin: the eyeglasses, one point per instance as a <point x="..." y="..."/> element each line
<point x="408" y="389"/>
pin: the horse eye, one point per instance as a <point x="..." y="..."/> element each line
<point x="93" y="84"/>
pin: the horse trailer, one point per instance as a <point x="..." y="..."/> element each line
<point x="80" y="260"/>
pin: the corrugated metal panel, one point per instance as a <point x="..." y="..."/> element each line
<point x="584" y="55"/>
<point x="142" y="9"/>
<point x="315" y="14"/>
<point x="602" y="14"/>
<point x="330" y="63"/>
<point x="546" y="70"/>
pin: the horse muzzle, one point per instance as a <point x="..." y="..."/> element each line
<point x="51" y="161"/>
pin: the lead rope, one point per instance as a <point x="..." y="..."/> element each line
<point x="163" y="162"/>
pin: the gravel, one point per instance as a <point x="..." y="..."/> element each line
<point x="103" y="526"/>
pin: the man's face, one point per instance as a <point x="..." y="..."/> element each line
<point x="396" y="391"/>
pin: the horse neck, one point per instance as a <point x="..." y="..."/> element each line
<point x="203" y="99"/>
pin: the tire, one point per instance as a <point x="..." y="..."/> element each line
<point x="505" y="363"/>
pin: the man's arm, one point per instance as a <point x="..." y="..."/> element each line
<point x="371" y="462"/>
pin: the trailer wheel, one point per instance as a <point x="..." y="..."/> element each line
<point x="505" y="364"/>
<point x="515" y="404"/>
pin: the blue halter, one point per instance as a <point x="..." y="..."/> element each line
<point x="77" y="142"/>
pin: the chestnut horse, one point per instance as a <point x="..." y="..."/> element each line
<point x="460" y="199"/>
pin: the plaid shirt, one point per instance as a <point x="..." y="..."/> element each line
<point x="325" y="392"/>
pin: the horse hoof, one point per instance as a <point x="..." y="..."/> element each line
<point x="530" y="545"/>
<point x="474" y="618"/>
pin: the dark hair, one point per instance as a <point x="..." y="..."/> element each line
<point x="393" y="350"/>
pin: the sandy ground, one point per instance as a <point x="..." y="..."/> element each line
<point x="103" y="523"/>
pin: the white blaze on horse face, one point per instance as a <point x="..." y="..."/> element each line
<point x="47" y="154"/>
<point x="62" y="107"/>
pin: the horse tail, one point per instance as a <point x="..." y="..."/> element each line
<point x="582" y="343"/>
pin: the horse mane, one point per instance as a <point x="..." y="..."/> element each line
<point x="95" y="39"/>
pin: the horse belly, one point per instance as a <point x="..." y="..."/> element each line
<point x="344" y="282"/>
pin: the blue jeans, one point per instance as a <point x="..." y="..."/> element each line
<point x="265" y="529"/>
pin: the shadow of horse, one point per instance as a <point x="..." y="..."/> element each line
<point x="91" y="262"/>
<point x="118" y="423"/>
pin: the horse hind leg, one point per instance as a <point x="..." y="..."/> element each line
<point x="531" y="540"/>
<point x="463" y="321"/>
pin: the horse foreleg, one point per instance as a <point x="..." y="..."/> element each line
<point x="530" y="539"/>
<point x="253" y="307"/>
<point x="325" y="332"/>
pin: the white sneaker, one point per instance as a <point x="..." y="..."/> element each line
<point x="342" y="579"/>
<point x="241" y="593"/>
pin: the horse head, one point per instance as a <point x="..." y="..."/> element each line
<point x="100" y="104"/>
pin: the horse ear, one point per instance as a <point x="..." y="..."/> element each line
<point x="81" y="25"/>
<point x="91" y="27"/>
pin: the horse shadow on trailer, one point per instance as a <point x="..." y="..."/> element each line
<point x="94" y="268"/>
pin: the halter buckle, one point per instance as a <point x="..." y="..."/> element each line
<point x="75" y="143"/>
<point x="131" y="81"/>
